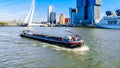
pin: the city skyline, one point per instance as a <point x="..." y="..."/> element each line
<point x="18" y="9"/>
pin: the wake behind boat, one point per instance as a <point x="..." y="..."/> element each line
<point x="68" y="41"/>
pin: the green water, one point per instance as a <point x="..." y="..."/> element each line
<point x="17" y="52"/>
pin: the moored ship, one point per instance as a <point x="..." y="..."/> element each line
<point x="111" y="21"/>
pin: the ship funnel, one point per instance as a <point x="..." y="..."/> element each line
<point x="118" y="12"/>
<point x="109" y="13"/>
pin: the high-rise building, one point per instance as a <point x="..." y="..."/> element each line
<point x="50" y="9"/>
<point x="73" y="15"/>
<point x="67" y="21"/>
<point x="88" y="11"/>
<point x="62" y="19"/>
<point x="52" y="18"/>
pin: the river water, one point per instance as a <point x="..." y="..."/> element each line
<point x="17" y="52"/>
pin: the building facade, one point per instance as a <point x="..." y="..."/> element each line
<point x="88" y="11"/>
<point x="62" y="19"/>
<point x="50" y="9"/>
<point x="67" y="21"/>
<point x="73" y="15"/>
<point x="52" y="18"/>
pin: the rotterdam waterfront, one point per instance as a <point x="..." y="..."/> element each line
<point x="102" y="45"/>
<point x="18" y="52"/>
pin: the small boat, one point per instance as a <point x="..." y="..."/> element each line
<point x="67" y="42"/>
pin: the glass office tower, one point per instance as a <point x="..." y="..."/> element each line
<point x="88" y="11"/>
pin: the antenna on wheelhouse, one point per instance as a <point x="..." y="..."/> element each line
<point x="29" y="17"/>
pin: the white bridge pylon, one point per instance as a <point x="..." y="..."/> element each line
<point x="29" y="17"/>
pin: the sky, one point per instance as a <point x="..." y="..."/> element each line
<point x="18" y="9"/>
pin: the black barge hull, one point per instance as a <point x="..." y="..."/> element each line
<point x="61" y="44"/>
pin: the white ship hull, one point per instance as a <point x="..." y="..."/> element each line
<point x="109" y="22"/>
<point x="107" y="26"/>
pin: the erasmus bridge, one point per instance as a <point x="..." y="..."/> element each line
<point x="29" y="18"/>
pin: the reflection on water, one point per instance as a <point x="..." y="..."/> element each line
<point x="17" y="52"/>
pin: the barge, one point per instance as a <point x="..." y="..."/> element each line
<point x="67" y="41"/>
